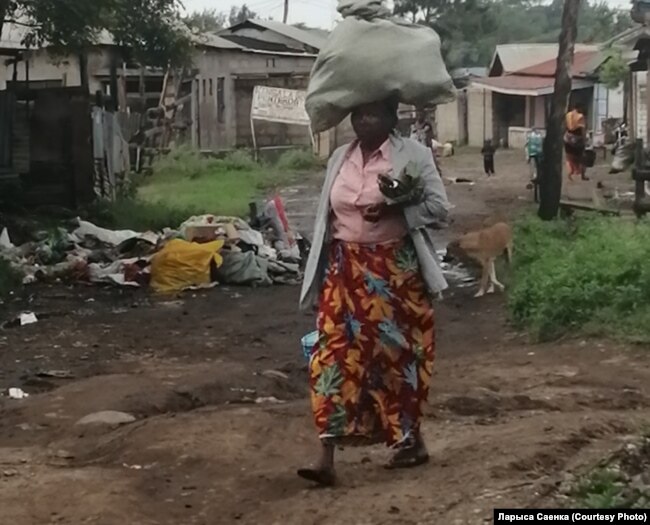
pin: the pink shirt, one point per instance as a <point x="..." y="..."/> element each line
<point x="356" y="187"/>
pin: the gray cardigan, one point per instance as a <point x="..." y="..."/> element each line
<point x="419" y="217"/>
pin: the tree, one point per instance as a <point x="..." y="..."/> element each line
<point x="240" y="14"/>
<point x="550" y="182"/>
<point x="614" y="70"/>
<point x="151" y="29"/>
<point x="470" y="29"/>
<point x="206" y="21"/>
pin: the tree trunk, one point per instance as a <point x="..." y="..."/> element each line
<point x="550" y="182"/>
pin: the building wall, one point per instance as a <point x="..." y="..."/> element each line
<point x="47" y="68"/>
<point x="229" y="126"/>
<point x="479" y="115"/>
<point x="448" y="122"/>
<point x="43" y="67"/>
<point x="639" y="111"/>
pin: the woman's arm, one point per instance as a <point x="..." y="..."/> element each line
<point x="433" y="205"/>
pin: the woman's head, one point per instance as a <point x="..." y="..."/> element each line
<point x="374" y="122"/>
<point x="580" y="108"/>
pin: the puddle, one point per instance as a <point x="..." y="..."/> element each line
<point x="455" y="273"/>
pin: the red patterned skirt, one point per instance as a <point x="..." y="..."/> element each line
<point x="371" y="370"/>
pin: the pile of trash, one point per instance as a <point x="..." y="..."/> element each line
<point x="202" y="252"/>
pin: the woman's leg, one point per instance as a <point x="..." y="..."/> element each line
<point x="324" y="473"/>
<point x="412" y="453"/>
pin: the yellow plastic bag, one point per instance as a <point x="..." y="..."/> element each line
<point x="181" y="265"/>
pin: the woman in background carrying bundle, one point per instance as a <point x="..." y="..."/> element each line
<point x="371" y="273"/>
<point x="575" y="140"/>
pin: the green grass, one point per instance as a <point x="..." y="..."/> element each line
<point x="604" y="488"/>
<point x="590" y="276"/>
<point x="618" y="482"/>
<point x="184" y="183"/>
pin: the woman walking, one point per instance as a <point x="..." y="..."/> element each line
<point x="371" y="272"/>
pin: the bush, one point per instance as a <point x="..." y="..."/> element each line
<point x="181" y="162"/>
<point x="185" y="162"/>
<point x="238" y="160"/>
<point x="297" y="159"/>
<point x="10" y="279"/>
<point x="590" y="275"/>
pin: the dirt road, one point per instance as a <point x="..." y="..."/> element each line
<point x="507" y="419"/>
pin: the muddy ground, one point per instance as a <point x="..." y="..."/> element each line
<point x="217" y="383"/>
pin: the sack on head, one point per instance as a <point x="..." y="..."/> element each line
<point x="370" y="57"/>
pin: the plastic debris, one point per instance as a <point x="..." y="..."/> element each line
<point x="17" y="393"/>
<point x="28" y="318"/>
<point x="107" y="417"/>
<point x="5" y="241"/>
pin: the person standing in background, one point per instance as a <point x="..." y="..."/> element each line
<point x="488" y="157"/>
<point x="534" y="146"/>
<point x="422" y="132"/>
<point x="575" y="141"/>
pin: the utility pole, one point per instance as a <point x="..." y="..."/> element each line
<point x="285" y="15"/>
<point x="550" y="182"/>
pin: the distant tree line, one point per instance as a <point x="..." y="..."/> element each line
<point x="470" y="29"/>
<point x="211" y="20"/>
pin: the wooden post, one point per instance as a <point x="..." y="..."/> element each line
<point x="550" y="181"/>
<point x="285" y="15"/>
<point x="255" y="153"/>
<point x="113" y="82"/>
<point x="83" y="70"/>
<point x="647" y="103"/>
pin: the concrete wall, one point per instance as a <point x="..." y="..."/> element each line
<point x="479" y="116"/>
<point x="639" y="113"/>
<point x="61" y="70"/>
<point x="43" y="67"/>
<point x="448" y="122"/>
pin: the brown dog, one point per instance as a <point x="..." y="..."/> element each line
<point x="484" y="246"/>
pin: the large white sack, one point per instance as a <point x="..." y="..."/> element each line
<point x="369" y="57"/>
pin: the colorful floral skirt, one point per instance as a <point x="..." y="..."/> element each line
<point x="370" y="371"/>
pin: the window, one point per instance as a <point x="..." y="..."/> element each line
<point x="221" y="99"/>
<point x="211" y="88"/>
<point x="270" y="62"/>
<point x="204" y="90"/>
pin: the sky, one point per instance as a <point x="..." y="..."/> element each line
<point x="314" y="13"/>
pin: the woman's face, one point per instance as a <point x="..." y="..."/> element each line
<point x="371" y="123"/>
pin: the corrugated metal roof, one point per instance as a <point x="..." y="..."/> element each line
<point x="214" y="41"/>
<point x="525" y="85"/>
<point x="515" y="57"/>
<point x="306" y="37"/>
<point x="261" y="45"/>
<point x="584" y="64"/>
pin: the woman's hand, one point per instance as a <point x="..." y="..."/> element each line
<point x="405" y="190"/>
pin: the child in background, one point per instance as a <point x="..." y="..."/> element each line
<point x="534" y="147"/>
<point x="488" y="157"/>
